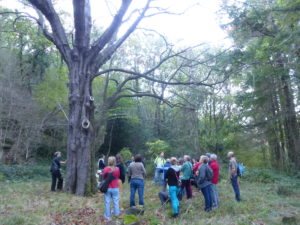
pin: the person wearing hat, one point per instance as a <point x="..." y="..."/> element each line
<point x="233" y="176"/>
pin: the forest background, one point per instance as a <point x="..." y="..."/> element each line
<point x="150" y="94"/>
<point x="192" y="100"/>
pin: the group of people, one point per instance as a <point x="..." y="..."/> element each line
<point x="176" y="176"/>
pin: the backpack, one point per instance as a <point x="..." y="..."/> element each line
<point x="103" y="185"/>
<point x="240" y="169"/>
<point x="54" y="167"/>
<point x="208" y="176"/>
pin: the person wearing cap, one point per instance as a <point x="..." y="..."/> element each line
<point x="233" y="176"/>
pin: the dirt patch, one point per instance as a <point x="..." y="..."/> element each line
<point x="83" y="216"/>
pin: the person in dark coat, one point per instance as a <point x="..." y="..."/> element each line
<point x="101" y="162"/>
<point x="204" y="182"/>
<point x="122" y="178"/>
<point x="55" y="172"/>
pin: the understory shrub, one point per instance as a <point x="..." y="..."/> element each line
<point x="260" y="175"/>
<point x="23" y="172"/>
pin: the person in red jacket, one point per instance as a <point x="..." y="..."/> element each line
<point x="214" y="165"/>
<point x="112" y="193"/>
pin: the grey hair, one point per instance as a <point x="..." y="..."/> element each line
<point x="213" y="156"/>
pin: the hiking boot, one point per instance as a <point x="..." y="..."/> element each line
<point x="175" y="215"/>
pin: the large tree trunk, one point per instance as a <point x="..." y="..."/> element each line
<point x="79" y="179"/>
<point x="290" y="122"/>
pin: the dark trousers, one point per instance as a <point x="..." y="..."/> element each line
<point x="56" y="178"/>
<point x="186" y="184"/>
<point x="163" y="197"/>
<point x="236" y="188"/>
<point x="206" y="191"/>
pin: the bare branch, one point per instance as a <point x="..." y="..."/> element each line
<point x="140" y="95"/>
<point x="106" y="37"/>
<point x="59" y="36"/>
<point x="106" y="54"/>
<point x="145" y="73"/>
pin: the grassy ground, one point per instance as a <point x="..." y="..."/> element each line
<point x="268" y="198"/>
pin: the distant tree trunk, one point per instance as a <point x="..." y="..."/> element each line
<point x="275" y="132"/>
<point x="291" y="127"/>
<point x="157" y="119"/>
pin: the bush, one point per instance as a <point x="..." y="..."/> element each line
<point x="23" y="172"/>
<point x="285" y="190"/>
<point x="2" y="177"/>
<point x="156" y="147"/>
<point x="260" y="175"/>
<point x="126" y="154"/>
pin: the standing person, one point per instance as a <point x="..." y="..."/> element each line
<point x="137" y="172"/>
<point x="112" y="193"/>
<point x="233" y="176"/>
<point x="159" y="164"/>
<point x="101" y="162"/>
<point x="101" y="166"/>
<point x="121" y="166"/>
<point x="196" y="167"/>
<point x="166" y="166"/>
<point x="55" y="172"/>
<point x="204" y="182"/>
<point x="172" y="178"/>
<point x="214" y="165"/>
<point x="187" y="172"/>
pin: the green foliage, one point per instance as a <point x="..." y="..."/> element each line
<point x="126" y="153"/>
<point x="53" y="90"/>
<point x="23" y="172"/>
<point x="156" y="147"/>
<point x="2" y="177"/>
<point x="261" y="176"/>
<point x="285" y="190"/>
<point x="130" y="219"/>
<point x="17" y="219"/>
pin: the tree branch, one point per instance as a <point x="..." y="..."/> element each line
<point x="59" y="37"/>
<point x="82" y="23"/>
<point x="106" y="37"/>
<point x="106" y="54"/>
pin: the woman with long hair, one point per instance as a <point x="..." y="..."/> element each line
<point x="112" y="193"/>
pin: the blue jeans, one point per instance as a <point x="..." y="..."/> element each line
<point x="136" y="184"/>
<point x="114" y="195"/>
<point x="173" y="191"/>
<point x="236" y="188"/>
<point x="158" y="176"/>
<point x="214" y="196"/>
<point x="206" y="191"/>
